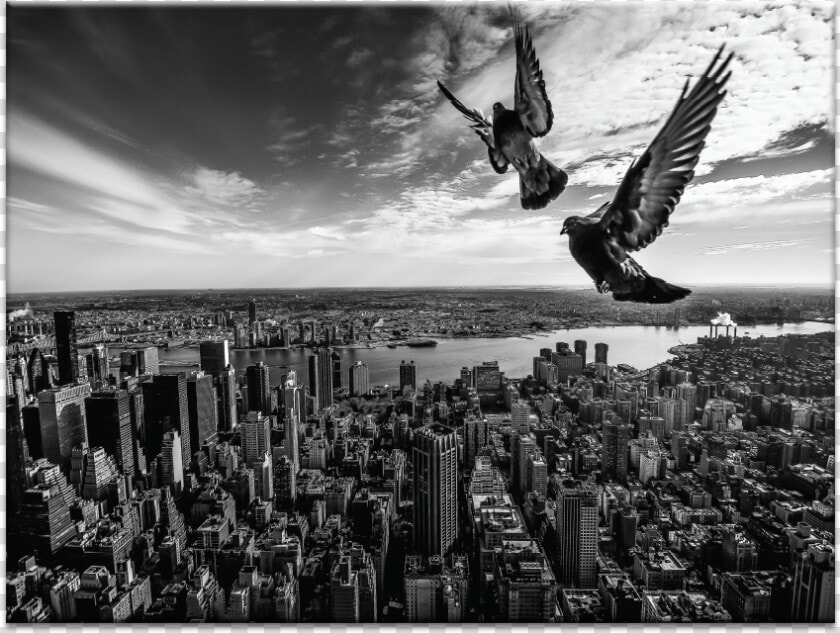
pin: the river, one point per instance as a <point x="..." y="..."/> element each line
<point x="639" y="346"/>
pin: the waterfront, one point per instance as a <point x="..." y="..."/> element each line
<point x="638" y="346"/>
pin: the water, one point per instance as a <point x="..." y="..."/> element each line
<point x="639" y="346"/>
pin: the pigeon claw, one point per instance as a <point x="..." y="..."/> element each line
<point x="603" y="287"/>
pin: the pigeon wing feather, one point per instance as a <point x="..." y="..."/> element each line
<point x="655" y="182"/>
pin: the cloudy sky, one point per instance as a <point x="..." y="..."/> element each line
<point x="308" y="146"/>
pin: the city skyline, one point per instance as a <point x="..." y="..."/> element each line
<point x="241" y="148"/>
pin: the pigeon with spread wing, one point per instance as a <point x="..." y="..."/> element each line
<point x="510" y="134"/>
<point x="650" y="191"/>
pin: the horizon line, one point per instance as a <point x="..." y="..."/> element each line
<point x="756" y="285"/>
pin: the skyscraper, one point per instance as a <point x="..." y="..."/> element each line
<point x="321" y="378"/>
<point x="580" y="349"/>
<point x="165" y="409"/>
<point x="408" y="375"/>
<point x="252" y="311"/>
<point x="172" y="462"/>
<point x="15" y="466"/>
<point x="476" y="437"/>
<point x="615" y="445"/>
<point x="601" y="350"/>
<point x="813" y="585"/>
<point x="255" y="436"/>
<point x="148" y="361"/>
<point x="435" y="459"/>
<point x="214" y="356"/>
<point x="359" y="379"/>
<point x="258" y="379"/>
<point x="62" y="417"/>
<point x="202" y="410"/>
<point x="109" y="425"/>
<point x="577" y="532"/>
<point x="335" y="357"/>
<point x="215" y="359"/>
<point x="66" y="347"/>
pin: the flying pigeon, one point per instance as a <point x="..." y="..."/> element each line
<point x="651" y="188"/>
<point x="510" y="134"/>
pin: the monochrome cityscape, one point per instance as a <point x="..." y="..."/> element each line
<point x="158" y="472"/>
<point x="420" y="313"/>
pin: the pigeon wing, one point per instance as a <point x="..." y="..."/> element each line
<point x="482" y="126"/>
<point x="655" y="182"/>
<point x="530" y="99"/>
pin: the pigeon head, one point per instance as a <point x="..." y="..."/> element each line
<point x="498" y="107"/>
<point x="570" y="224"/>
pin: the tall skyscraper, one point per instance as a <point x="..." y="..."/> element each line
<point x="476" y="437"/>
<point x="359" y="379"/>
<point x="62" y="417"/>
<point x="202" y="410"/>
<point x="520" y="415"/>
<point x="525" y="448"/>
<point x="408" y="375"/>
<point x="258" y="379"/>
<point x="577" y="533"/>
<point x="15" y="465"/>
<point x="435" y="460"/>
<point x="580" y="349"/>
<point x="568" y="364"/>
<point x="252" y="311"/>
<point x="601" y="350"/>
<point x="148" y="361"/>
<point x="66" y="348"/>
<point x="335" y="357"/>
<point x="255" y="435"/>
<point x="813" y="585"/>
<point x="215" y="360"/>
<point x="285" y="482"/>
<point x="615" y="446"/>
<point x="166" y="409"/>
<point x="109" y="425"/>
<point x="172" y="462"/>
<point x="321" y="378"/>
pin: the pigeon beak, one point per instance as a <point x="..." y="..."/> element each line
<point x="563" y="231"/>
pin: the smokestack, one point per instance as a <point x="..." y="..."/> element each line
<point x="735" y="333"/>
<point x="727" y="330"/>
<point x="710" y="329"/>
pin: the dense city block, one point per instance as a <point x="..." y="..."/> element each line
<point x="142" y="490"/>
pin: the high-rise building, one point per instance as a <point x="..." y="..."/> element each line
<point x="202" y="411"/>
<point x="580" y="349"/>
<point x="568" y="364"/>
<point x="293" y="407"/>
<point x="166" y="409"/>
<point x="526" y="589"/>
<point x="62" y="418"/>
<point x="335" y="357"/>
<point x="258" y="379"/>
<point x="285" y="482"/>
<point x="255" y="435"/>
<point x="214" y="356"/>
<point x="520" y="417"/>
<point x="172" y="462"/>
<point x="601" y="350"/>
<point x="615" y="446"/>
<point x="408" y="375"/>
<point x="577" y="533"/>
<point x="344" y="591"/>
<point x="813" y="585"/>
<point x="522" y="446"/>
<point x="109" y="425"/>
<point x="66" y="347"/>
<point x="321" y="378"/>
<point x="100" y="470"/>
<point x="487" y="378"/>
<point x="252" y="311"/>
<point x="15" y="464"/>
<point x="43" y="523"/>
<point x="476" y="437"/>
<point x="359" y="379"/>
<point x="435" y="459"/>
<point x="148" y="361"/>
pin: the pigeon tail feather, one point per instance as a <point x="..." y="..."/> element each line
<point x="541" y="185"/>
<point x="655" y="290"/>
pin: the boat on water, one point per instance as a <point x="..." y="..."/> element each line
<point x="422" y="343"/>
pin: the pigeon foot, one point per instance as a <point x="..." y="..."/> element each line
<point x="603" y="287"/>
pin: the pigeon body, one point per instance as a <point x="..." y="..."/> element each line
<point x="510" y="134"/>
<point x="651" y="189"/>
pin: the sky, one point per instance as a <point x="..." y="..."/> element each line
<point x="308" y="146"/>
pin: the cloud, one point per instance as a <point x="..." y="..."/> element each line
<point x="751" y="246"/>
<point x="228" y="189"/>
